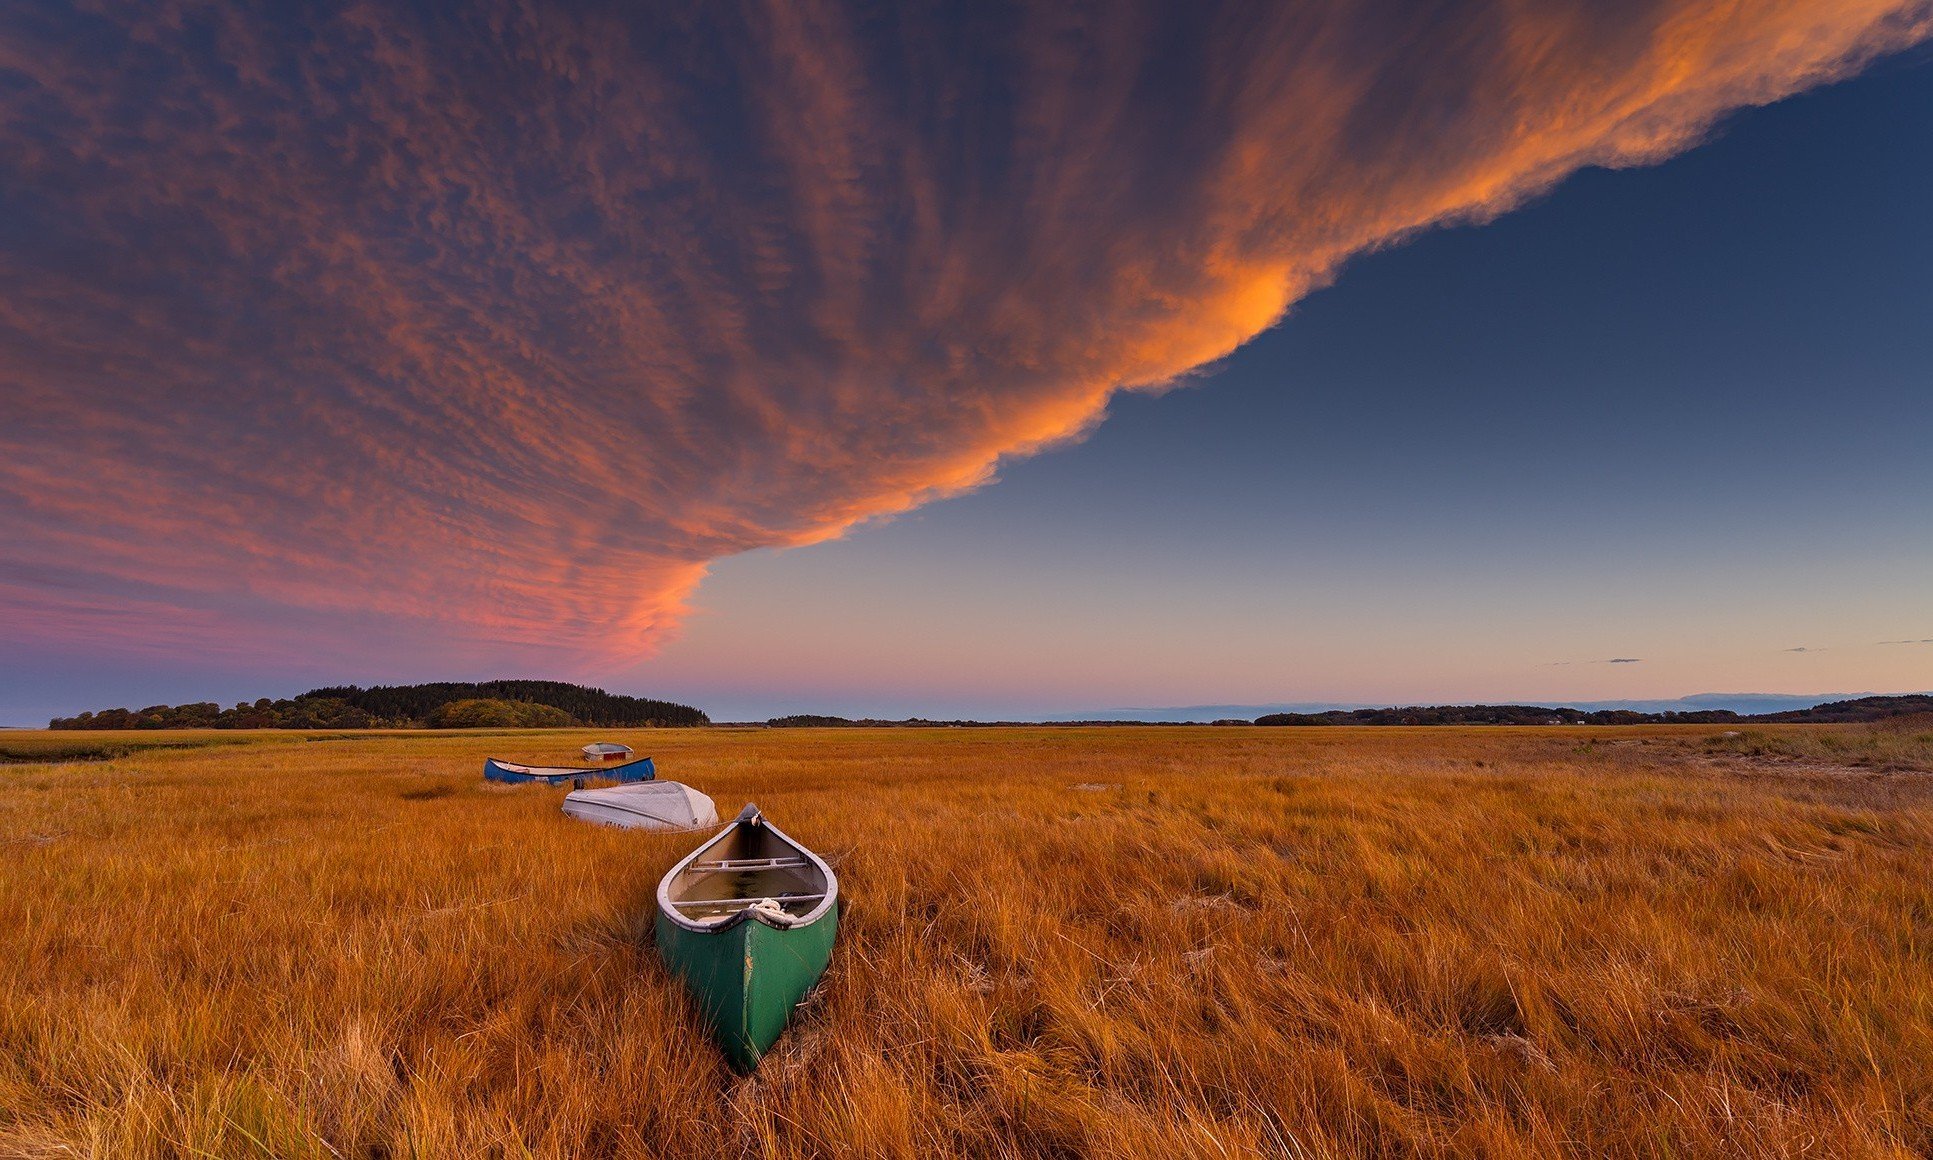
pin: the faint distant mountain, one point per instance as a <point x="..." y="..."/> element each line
<point x="1744" y="704"/>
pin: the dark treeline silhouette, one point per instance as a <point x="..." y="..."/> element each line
<point x="807" y="721"/>
<point x="526" y="703"/>
<point x="301" y="713"/>
<point x="1496" y="715"/>
<point x="587" y="706"/>
<point x="1863" y="709"/>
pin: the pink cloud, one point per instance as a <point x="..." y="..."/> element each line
<point x="390" y="336"/>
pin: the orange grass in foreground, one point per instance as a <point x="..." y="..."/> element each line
<point x="1119" y="942"/>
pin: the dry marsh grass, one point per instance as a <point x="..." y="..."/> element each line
<point x="38" y="745"/>
<point x="1902" y="743"/>
<point x="1110" y="942"/>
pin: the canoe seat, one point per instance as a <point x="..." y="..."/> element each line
<point x="733" y="905"/>
<point x="743" y="865"/>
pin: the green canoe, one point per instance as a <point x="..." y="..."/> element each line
<point x="747" y="920"/>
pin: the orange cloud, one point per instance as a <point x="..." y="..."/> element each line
<point x="402" y="335"/>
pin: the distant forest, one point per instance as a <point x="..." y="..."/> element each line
<point x="1863" y="709"/>
<point x="444" y="704"/>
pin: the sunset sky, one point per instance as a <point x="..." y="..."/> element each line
<point x="967" y="360"/>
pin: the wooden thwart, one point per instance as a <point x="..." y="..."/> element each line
<point x="745" y="865"/>
<point x="731" y="905"/>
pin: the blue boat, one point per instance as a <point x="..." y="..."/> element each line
<point x="510" y="771"/>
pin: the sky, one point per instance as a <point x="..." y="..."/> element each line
<point x="967" y="361"/>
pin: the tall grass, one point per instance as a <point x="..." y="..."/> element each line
<point x="1903" y="743"/>
<point x="40" y="745"/>
<point x="1177" y="942"/>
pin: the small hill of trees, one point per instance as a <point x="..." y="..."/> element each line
<point x="444" y="704"/>
<point x="1863" y="709"/>
<point x="487" y="713"/>
<point x="587" y="706"/>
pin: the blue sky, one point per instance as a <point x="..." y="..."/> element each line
<point x="1680" y="413"/>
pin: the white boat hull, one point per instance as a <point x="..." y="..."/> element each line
<point x="645" y="805"/>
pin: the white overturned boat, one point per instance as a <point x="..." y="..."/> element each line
<point x="644" y="805"/>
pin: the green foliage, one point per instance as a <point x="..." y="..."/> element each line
<point x="490" y="713"/>
<point x="531" y="705"/>
<point x="589" y="706"/>
<point x="305" y="712"/>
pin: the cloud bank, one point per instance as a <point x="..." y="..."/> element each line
<point x="452" y="332"/>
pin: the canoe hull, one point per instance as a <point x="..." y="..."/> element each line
<point x="506" y="771"/>
<point x="748" y="976"/>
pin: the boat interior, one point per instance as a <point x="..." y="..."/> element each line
<point x="546" y="770"/>
<point x="742" y="869"/>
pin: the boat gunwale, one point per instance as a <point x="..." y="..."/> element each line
<point x="670" y="911"/>
<point x="554" y="772"/>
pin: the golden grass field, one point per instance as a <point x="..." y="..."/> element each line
<point x="1170" y="942"/>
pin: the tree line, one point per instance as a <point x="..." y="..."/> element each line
<point x="442" y="704"/>
<point x="1862" y="709"/>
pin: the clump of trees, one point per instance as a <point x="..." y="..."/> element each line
<point x="299" y="713"/>
<point x="1862" y="709"/>
<point x="490" y="713"/>
<point x="585" y="705"/>
<point x="443" y="705"/>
